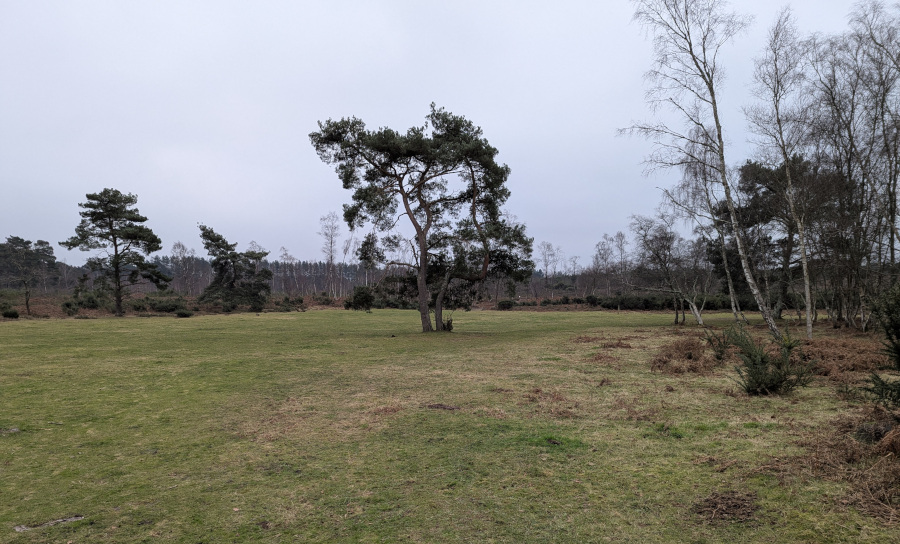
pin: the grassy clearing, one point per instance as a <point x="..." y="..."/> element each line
<point x="339" y="426"/>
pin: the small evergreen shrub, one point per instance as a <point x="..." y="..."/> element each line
<point x="90" y="302"/>
<point x="287" y="304"/>
<point x="183" y="313"/>
<point x="10" y="314"/>
<point x="70" y="307"/>
<point x="762" y="373"/>
<point x="362" y="299"/>
<point x="323" y="299"/>
<point x="887" y="311"/>
<point x="592" y="301"/>
<point x="719" y="343"/>
<point x="505" y="305"/>
<point x="165" y="306"/>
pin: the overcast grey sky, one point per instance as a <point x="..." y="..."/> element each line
<point x="203" y="108"/>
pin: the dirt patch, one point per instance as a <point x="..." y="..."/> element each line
<point x="387" y="410"/>
<point x="442" y="407"/>
<point x="587" y="339"/>
<point x="727" y="507"/>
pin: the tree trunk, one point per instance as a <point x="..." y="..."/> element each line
<point x="422" y="285"/>
<point x="439" y="304"/>
<point x="695" y="311"/>
<point x="27" y="297"/>
<point x="732" y="212"/>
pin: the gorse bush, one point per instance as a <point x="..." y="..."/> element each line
<point x="11" y="314"/>
<point x="763" y="373"/>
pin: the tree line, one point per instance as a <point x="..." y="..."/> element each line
<point x="809" y="223"/>
<point x="814" y="213"/>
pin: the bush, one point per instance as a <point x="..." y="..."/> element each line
<point x="592" y="301"/>
<point x="505" y="305"/>
<point x="289" y="305"/>
<point x="887" y="311"/>
<point x="762" y="373"/>
<point x="681" y="356"/>
<point x="362" y="299"/>
<point x="166" y="306"/>
<point x="720" y="344"/>
<point x="10" y="314"/>
<point x="90" y="301"/>
<point x="70" y="307"/>
<point x="183" y="313"/>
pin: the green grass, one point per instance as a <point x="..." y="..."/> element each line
<point x="334" y="426"/>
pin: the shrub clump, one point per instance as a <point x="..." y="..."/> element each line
<point x="765" y="373"/>
<point x="720" y="345"/>
<point x="287" y="304"/>
<point x="11" y="314"/>
<point x="887" y="310"/>
<point x="505" y="305"/>
<point x="362" y="299"/>
<point x="183" y="313"/>
<point x="685" y="354"/>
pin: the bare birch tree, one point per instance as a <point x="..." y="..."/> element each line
<point x="780" y="120"/>
<point x="330" y="234"/>
<point x="688" y="36"/>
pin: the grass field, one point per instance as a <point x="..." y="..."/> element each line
<point x="336" y="426"/>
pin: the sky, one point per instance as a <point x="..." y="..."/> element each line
<point x="203" y="108"/>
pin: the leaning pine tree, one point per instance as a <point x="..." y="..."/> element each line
<point x="444" y="179"/>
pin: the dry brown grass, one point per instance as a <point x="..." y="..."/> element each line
<point x="860" y="449"/>
<point x="682" y="355"/>
<point x="551" y="403"/>
<point x="616" y="344"/>
<point x="844" y="359"/>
